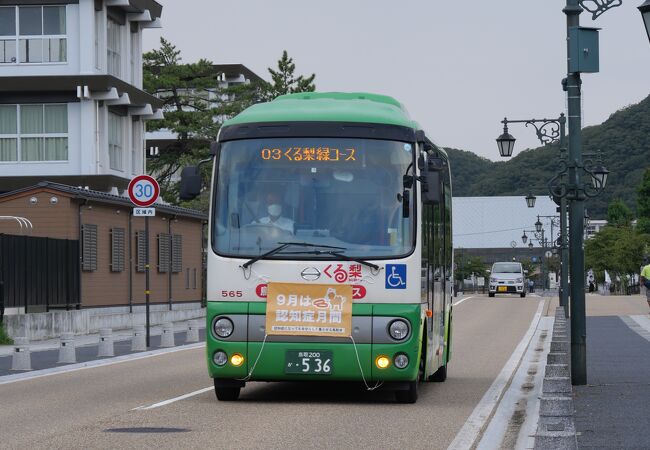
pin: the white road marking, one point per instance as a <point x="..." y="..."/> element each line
<point x="172" y="400"/>
<point x="482" y="413"/>
<point x="462" y="300"/>
<point x="514" y="396"/>
<point x="639" y="324"/>
<point x="96" y="363"/>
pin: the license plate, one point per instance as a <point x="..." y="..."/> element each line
<point x="503" y="288"/>
<point x="308" y="362"/>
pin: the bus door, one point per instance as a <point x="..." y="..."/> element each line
<point x="438" y="275"/>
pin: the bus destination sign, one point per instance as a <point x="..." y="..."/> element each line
<point x="299" y="154"/>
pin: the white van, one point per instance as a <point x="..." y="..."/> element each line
<point x="507" y="278"/>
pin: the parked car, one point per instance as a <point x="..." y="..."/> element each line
<point x="507" y="278"/>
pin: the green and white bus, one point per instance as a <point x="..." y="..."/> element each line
<point x="335" y="191"/>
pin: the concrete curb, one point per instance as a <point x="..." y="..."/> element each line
<point x="7" y="379"/>
<point x="556" y="426"/>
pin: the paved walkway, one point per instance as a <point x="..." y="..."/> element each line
<point x="612" y="409"/>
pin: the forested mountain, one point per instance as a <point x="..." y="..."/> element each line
<point x="623" y="139"/>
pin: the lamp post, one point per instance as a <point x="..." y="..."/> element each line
<point x="575" y="191"/>
<point x="560" y="243"/>
<point x="538" y="235"/>
<point x="582" y="57"/>
<point x="548" y="131"/>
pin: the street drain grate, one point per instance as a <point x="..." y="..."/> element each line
<point x="147" y="430"/>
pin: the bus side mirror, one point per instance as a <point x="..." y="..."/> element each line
<point x="190" y="183"/>
<point x="525" y="272"/>
<point x="432" y="192"/>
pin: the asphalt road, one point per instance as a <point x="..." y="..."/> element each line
<point x="94" y="408"/>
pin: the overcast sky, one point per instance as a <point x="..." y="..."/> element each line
<point x="458" y="66"/>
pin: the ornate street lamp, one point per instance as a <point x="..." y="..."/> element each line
<point x="506" y="142"/>
<point x="524" y="238"/>
<point x="530" y="245"/>
<point x="530" y="198"/>
<point x="645" y="13"/>
<point x="538" y="225"/>
<point x="599" y="175"/>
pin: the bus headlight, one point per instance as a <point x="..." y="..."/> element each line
<point x="223" y="327"/>
<point x="398" y="329"/>
<point x="220" y="358"/>
<point x="520" y="280"/>
<point x="401" y="360"/>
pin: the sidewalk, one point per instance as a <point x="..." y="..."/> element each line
<point x="45" y="354"/>
<point x="612" y="410"/>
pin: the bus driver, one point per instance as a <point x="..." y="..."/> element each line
<point x="274" y="210"/>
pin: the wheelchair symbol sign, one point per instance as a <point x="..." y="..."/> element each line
<point x="395" y="276"/>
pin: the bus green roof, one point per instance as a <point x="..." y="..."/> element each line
<point x="328" y="107"/>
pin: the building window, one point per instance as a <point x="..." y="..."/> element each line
<point x="114" y="48"/>
<point x="177" y="253"/>
<point x="187" y="278"/>
<point x="117" y="249"/>
<point x="141" y="251"/>
<point x="115" y="133"/>
<point x="37" y="32"/>
<point x="8" y="133"/>
<point x="194" y="278"/>
<point x="34" y="132"/>
<point x="88" y="247"/>
<point x="164" y="255"/>
<point x="136" y="147"/>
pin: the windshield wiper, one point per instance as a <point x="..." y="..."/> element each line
<point x="281" y="247"/>
<point x="335" y="253"/>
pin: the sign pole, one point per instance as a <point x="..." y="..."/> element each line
<point x="143" y="192"/>
<point x="147" y="292"/>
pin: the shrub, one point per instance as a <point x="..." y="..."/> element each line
<point x="4" y="337"/>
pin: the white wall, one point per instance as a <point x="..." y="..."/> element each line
<point x="71" y="67"/>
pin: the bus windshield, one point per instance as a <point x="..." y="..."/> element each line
<point x="341" y="192"/>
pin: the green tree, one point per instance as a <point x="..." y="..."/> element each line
<point x="284" y="81"/>
<point x="188" y="91"/>
<point x="618" y="214"/>
<point x="465" y="267"/>
<point x="643" y="204"/>
<point x="619" y="250"/>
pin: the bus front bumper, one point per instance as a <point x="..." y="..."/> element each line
<point x="275" y="358"/>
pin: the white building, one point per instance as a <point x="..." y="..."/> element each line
<point x="72" y="108"/>
<point x="594" y="226"/>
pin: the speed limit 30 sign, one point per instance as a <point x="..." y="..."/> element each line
<point x="143" y="191"/>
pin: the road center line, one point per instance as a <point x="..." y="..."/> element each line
<point x="482" y="413"/>
<point x="462" y="300"/>
<point x="172" y="400"/>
